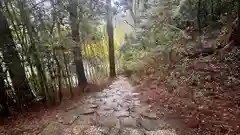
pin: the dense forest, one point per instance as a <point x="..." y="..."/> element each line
<point x="53" y="49"/>
<point x="51" y="46"/>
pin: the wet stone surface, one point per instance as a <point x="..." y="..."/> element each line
<point x="113" y="111"/>
<point x="53" y="129"/>
<point x="128" y="122"/>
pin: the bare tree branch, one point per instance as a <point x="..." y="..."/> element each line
<point x="129" y="23"/>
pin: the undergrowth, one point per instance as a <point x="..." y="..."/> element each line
<point x="168" y="66"/>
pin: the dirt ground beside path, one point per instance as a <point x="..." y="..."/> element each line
<point x="203" y="93"/>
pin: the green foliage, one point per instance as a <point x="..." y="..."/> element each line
<point x="211" y="11"/>
<point x="43" y="34"/>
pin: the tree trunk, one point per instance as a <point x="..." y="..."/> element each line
<point x="212" y="10"/>
<point x="76" y="49"/>
<point x="190" y="7"/>
<point x="237" y="40"/>
<point x="13" y="62"/>
<point x="34" y="49"/>
<point x="59" y="75"/>
<point x="67" y="73"/>
<point x="199" y="15"/>
<point x="110" y="40"/>
<point x="234" y="37"/>
<point x="133" y="16"/>
<point x="3" y="94"/>
<point x="238" y="7"/>
<point x="131" y="10"/>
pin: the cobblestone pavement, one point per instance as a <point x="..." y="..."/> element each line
<point x="113" y="111"/>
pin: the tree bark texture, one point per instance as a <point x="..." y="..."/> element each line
<point x="110" y="40"/>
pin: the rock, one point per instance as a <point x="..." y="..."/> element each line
<point x="73" y="106"/>
<point x="129" y="122"/>
<point x="53" y="129"/>
<point x="106" y="108"/>
<point x="92" y="106"/>
<point x="86" y="111"/>
<point x="161" y="132"/>
<point x="105" y="130"/>
<point x="149" y="124"/>
<point x="90" y="100"/>
<point x="101" y="95"/>
<point x="135" y="114"/>
<point x="150" y="115"/>
<point x="118" y="124"/>
<point x="67" y="119"/>
<point x="130" y="131"/>
<point x="126" y="106"/>
<point x="142" y="108"/>
<point x="137" y="102"/>
<point x="121" y="113"/>
<point x="135" y="94"/>
<point x="108" y="121"/>
<point x="105" y="112"/>
<point x="86" y="120"/>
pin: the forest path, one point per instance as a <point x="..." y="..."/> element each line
<point x="113" y="111"/>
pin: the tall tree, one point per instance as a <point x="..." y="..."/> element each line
<point x="238" y="25"/>
<point x="238" y="11"/>
<point x="3" y="94"/>
<point x="76" y="49"/>
<point x="131" y="10"/>
<point x="34" y="50"/>
<point x="199" y="15"/>
<point x="212" y="10"/>
<point x="13" y="62"/>
<point x="110" y="40"/>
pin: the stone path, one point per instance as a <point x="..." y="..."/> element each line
<point x="113" y="111"/>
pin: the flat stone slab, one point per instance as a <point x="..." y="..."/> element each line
<point x="92" y="106"/>
<point x="150" y="115"/>
<point x="108" y="121"/>
<point x="161" y="132"/>
<point x="86" y="120"/>
<point x="129" y="122"/>
<point x="121" y="113"/>
<point x="135" y="94"/>
<point x="105" y="130"/>
<point x="103" y="112"/>
<point x="53" y="129"/>
<point x="90" y="100"/>
<point x="73" y="106"/>
<point x="85" y="111"/>
<point x="135" y="114"/>
<point x="150" y="125"/>
<point x="142" y="108"/>
<point x="68" y="118"/>
<point x="101" y="95"/>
